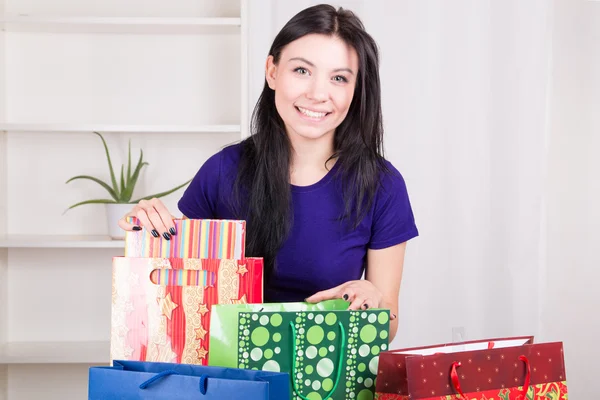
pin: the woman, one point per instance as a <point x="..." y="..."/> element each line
<point x="321" y="203"/>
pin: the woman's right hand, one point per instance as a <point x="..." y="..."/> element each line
<point x="153" y="216"/>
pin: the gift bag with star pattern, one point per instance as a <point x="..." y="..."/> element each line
<point x="498" y="369"/>
<point x="161" y="306"/>
<point x="329" y="352"/>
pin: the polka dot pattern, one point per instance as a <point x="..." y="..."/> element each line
<point x="266" y="342"/>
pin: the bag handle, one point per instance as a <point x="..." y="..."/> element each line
<point x="339" y="368"/>
<point x="456" y="381"/>
<point x="203" y="380"/>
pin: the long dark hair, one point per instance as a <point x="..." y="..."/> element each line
<point x="263" y="180"/>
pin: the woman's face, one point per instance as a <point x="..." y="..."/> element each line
<point x="314" y="83"/>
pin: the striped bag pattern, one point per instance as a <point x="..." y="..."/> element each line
<point x="195" y="238"/>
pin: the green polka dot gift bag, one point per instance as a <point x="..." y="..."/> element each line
<point x="328" y="351"/>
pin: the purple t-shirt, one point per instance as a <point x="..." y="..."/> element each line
<point x="320" y="252"/>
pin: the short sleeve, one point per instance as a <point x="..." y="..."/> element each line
<point x="199" y="201"/>
<point x="393" y="219"/>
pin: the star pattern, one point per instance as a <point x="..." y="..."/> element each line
<point x="243" y="300"/>
<point x="200" y="333"/>
<point x="202" y="352"/>
<point x="242" y="270"/>
<point x="202" y="309"/>
<point x="167" y="306"/>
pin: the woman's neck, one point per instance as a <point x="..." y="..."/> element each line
<point x="309" y="160"/>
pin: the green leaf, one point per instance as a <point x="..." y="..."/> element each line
<point x="110" y="167"/>
<point x="162" y="194"/>
<point x="99" y="201"/>
<point x="98" y="181"/>
<point x="126" y="196"/>
<point x="552" y="395"/>
<point x="122" y="181"/>
<point x="129" y="163"/>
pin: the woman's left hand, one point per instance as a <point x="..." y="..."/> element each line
<point x="361" y="294"/>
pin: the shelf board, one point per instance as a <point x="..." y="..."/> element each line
<point x="120" y="21"/>
<point x="60" y="242"/>
<point x="55" y="353"/>
<point x="78" y="128"/>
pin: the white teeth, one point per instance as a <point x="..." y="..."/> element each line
<point x="312" y="114"/>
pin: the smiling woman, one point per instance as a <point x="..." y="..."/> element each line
<point x="322" y="204"/>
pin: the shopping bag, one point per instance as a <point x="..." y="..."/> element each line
<point x="330" y="353"/>
<point x="161" y="306"/>
<point x="195" y="238"/>
<point x="503" y="369"/>
<point x="133" y="380"/>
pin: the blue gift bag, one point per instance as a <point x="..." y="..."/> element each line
<point x="129" y="380"/>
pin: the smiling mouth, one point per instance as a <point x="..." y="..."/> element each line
<point x="312" y="114"/>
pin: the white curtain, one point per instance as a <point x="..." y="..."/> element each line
<point x="471" y="103"/>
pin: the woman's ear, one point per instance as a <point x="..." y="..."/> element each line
<point x="271" y="72"/>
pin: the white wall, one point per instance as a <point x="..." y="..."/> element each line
<point x="489" y="109"/>
<point x="464" y="109"/>
<point x="571" y="299"/>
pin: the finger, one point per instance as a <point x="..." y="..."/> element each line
<point x="142" y="215"/>
<point x="349" y="293"/>
<point x="357" y="303"/>
<point x="393" y="316"/>
<point x="165" y="216"/>
<point x="322" y="295"/>
<point x="157" y="223"/>
<point x="333" y="293"/>
<point x="127" y="226"/>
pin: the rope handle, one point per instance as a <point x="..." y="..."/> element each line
<point x="456" y="381"/>
<point x="202" y="385"/>
<point x="340" y="362"/>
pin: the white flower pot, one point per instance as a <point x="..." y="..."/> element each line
<point x="114" y="212"/>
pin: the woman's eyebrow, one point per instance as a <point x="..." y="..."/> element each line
<point x="304" y="60"/>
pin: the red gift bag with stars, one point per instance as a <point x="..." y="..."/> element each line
<point x="493" y="369"/>
<point x="161" y="307"/>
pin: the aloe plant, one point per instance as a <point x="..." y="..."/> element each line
<point x="121" y="194"/>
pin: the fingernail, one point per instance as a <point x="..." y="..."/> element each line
<point x="394" y="316"/>
<point x="366" y="306"/>
<point x="345" y="297"/>
<point x="137" y="228"/>
<point x="167" y="236"/>
<point x="173" y="231"/>
<point x="154" y="233"/>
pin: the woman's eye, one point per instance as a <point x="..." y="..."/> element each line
<point x="340" y="78"/>
<point x="301" y="71"/>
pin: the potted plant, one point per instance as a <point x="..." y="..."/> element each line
<point x="121" y="194"/>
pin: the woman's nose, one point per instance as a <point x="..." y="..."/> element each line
<point x="318" y="91"/>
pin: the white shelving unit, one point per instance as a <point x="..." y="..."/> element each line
<point x="16" y="20"/>
<point x="169" y="76"/>
<point x="54" y="352"/>
<point x="80" y="128"/>
<point x="59" y="242"/>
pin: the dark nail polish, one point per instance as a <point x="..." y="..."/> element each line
<point x="167" y="236"/>
<point x="394" y="316"/>
<point x="173" y="231"/>
<point x="345" y="297"/>
<point x="154" y="233"/>
<point x="366" y="306"/>
<point x="137" y="228"/>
